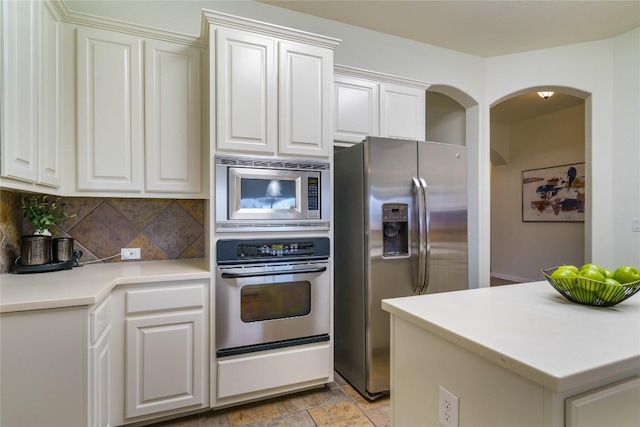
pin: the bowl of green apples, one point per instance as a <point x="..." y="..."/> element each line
<point x="591" y="284"/>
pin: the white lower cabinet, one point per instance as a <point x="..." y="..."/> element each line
<point x="43" y="360"/>
<point x="100" y="365"/>
<point x="160" y="350"/>
<point x="612" y="405"/>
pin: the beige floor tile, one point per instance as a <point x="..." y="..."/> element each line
<point x="380" y="417"/>
<point x="341" y="414"/>
<point x="363" y="403"/>
<point x="311" y="399"/>
<point x="299" y="419"/>
<point x="251" y="413"/>
<point x="214" y="419"/>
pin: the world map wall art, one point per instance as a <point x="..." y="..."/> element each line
<point x="554" y="194"/>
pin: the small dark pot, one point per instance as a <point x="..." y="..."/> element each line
<point x="62" y="249"/>
<point x="35" y="250"/>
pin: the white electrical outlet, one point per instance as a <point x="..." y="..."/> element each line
<point x="130" y="253"/>
<point x="447" y="408"/>
<point x="635" y="224"/>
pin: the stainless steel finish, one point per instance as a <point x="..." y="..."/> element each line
<point x="230" y="217"/>
<point x="431" y="179"/>
<point x="232" y="332"/>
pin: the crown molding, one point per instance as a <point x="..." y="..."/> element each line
<point x="359" y="73"/>
<point x="94" y="21"/>
<point x="230" y="21"/>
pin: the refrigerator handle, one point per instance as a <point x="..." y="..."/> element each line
<point x="419" y="199"/>
<point x="427" y="234"/>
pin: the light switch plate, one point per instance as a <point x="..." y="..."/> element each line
<point x="635" y="224"/>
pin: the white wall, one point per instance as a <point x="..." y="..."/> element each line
<point x="520" y="249"/>
<point x="446" y="120"/>
<point x="609" y="71"/>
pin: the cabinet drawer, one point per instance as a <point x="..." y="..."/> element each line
<point x="99" y="319"/>
<point x="265" y="371"/>
<point x="171" y="298"/>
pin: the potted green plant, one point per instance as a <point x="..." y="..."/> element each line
<point x="43" y="213"/>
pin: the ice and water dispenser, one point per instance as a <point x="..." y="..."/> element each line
<point x="395" y="227"/>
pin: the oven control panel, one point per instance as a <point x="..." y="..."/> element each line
<point x="260" y="250"/>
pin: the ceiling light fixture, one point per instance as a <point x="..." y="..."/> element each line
<point x="545" y="95"/>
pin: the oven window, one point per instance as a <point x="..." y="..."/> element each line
<point x="258" y="193"/>
<point x="275" y="301"/>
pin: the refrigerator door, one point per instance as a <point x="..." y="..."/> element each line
<point x="444" y="169"/>
<point x="390" y="166"/>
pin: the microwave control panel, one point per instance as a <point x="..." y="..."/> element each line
<point x="313" y="196"/>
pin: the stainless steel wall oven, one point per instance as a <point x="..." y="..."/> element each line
<point x="271" y="293"/>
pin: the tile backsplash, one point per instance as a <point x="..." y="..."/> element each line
<point x="161" y="228"/>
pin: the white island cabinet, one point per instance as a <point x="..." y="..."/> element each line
<point x="514" y="355"/>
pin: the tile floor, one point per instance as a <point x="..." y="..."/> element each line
<point x="336" y="404"/>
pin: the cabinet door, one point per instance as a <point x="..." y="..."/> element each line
<point x="164" y="363"/>
<point x="402" y="112"/>
<point x="20" y="90"/>
<point x="172" y="118"/>
<point x="305" y="87"/>
<point x="49" y="82"/>
<point x="246" y="92"/>
<point x="100" y="382"/>
<point x="110" y="130"/>
<point x="355" y="109"/>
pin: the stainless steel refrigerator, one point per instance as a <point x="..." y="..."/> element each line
<point x="400" y="230"/>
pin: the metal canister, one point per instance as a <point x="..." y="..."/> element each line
<point x="35" y="250"/>
<point x="62" y="249"/>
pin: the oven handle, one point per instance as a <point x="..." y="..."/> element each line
<point x="273" y="273"/>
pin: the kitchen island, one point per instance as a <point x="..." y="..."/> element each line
<point x="514" y="355"/>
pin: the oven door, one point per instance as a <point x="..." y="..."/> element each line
<point x="265" y="306"/>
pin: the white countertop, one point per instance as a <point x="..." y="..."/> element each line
<point x="532" y="330"/>
<point x="89" y="284"/>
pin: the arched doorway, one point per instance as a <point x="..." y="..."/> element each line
<point x="529" y="133"/>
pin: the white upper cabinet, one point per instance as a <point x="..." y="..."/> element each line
<point x="110" y="111"/>
<point x="402" y="112"/>
<point x="270" y="88"/>
<point x="172" y="117"/>
<point x="355" y="109"/>
<point x="31" y="93"/>
<point x="368" y="103"/>
<point x="139" y="114"/>
<point x="305" y="99"/>
<point x="246" y="89"/>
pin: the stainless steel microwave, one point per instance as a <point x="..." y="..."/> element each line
<point x="268" y="193"/>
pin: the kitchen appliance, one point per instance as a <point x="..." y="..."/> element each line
<point x="271" y="293"/>
<point x="268" y="193"/>
<point x="400" y="230"/>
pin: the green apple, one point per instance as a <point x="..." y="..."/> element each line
<point x="564" y="278"/>
<point x="608" y="273"/>
<point x="591" y="266"/>
<point x="612" y="292"/>
<point x="611" y="281"/>
<point x="568" y="267"/>
<point x="584" y="296"/>
<point x="561" y="273"/>
<point x="590" y="273"/>
<point x="626" y="274"/>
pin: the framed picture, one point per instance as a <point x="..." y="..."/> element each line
<point x="554" y="194"/>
